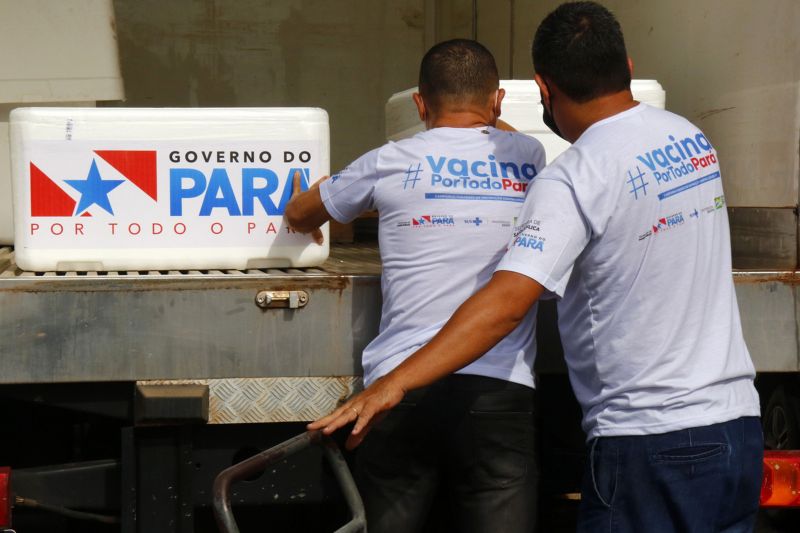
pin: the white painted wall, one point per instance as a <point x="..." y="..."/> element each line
<point x="730" y="66"/>
<point x="347" y="56"/>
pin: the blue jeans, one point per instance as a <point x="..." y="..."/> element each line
<point x="704" y="479"/>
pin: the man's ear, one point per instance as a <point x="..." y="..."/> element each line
<point x="630" y="66"/>
<point x="420" y="103"/>
<point x="544" y="90"/>
<point x="501" y="93"/>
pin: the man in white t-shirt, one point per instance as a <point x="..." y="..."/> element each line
<point x="628" y="229"/>
<point x="447" y="200"/>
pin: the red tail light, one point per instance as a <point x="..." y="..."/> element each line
<point x="780" y="486"/>
<point x="5" y="497"/>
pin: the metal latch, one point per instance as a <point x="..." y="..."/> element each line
<point x="281" y="299"/>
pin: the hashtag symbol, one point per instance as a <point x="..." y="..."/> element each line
<point x="637" y="183"/>
<point x="412" y="176"/>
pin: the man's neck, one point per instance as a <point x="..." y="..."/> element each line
<point x="582" y="115"/>
<point x="469" y="118"/>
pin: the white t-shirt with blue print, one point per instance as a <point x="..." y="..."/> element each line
<point x="629" y="228"/>
<point x="447" y="201"/>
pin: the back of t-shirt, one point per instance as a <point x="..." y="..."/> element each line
<point x="447" y="199"/>
<point x="635" y="212"/>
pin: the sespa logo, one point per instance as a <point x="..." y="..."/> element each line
<point x="161" y="192"/>
<point x="523" y="237"/>
<point x="529" y="225"/>
<point x="673" y="161"/>
<point x="430" y="221"/>
<point x="477" y="175"/>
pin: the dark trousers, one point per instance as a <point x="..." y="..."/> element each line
<point x="699" y="480"/>
<point x="470" y="436"/>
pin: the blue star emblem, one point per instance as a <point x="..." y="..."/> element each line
<point x="94" y="190"/>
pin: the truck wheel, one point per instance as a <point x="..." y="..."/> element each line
<point x="782" y="420"/>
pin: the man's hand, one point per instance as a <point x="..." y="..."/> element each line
<point x="305" y="211"/>
<point x="364" y="409"/>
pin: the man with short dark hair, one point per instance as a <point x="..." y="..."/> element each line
<point x="447" y="201"/>
<point x="632" y="237"/>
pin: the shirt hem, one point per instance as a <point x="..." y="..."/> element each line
<point x="667" y="427"/>
<point x="491" y="372"/>
<point x="389" y="364"/>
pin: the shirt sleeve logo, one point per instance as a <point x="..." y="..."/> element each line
<point x="527" y="235"/>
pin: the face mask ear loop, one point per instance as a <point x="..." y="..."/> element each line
<point x="494" y="109"/>
<point x="550" y="92"/>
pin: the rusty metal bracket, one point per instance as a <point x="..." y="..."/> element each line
<point x="257" y="463"/>
<point x="281" y="299"/>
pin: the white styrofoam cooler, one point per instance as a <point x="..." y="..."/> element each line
<point x="63" y="52"/>
<point x="6" y="204"/>
<point x="163" y="189"/>
<point x="521" y="108"/>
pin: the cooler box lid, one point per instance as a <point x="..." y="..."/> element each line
<point x="521" y="108"/>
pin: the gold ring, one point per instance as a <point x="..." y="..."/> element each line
<point x="355" y="411"/>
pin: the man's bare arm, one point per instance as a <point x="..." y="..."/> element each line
<point x="478" y="324"/>
<point x="305" y="211"/>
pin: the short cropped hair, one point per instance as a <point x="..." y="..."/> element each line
<point x="580" y="48"/>
<point x="458" y="71"/>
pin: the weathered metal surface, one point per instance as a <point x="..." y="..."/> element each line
<point x="114" y="326"/>
<point x="129" y="326"/>
<point x="768" y="304"/>
<point x="265" y="400"/>
<point x="764" y="238"/>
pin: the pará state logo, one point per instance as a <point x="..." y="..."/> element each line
<point x="137" y="167"/>
<point x="665" y="223"/>
<point x="433" y="221"/>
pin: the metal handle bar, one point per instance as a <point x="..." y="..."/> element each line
<point x="259" y="462"/>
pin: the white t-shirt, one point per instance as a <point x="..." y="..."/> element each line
<point x="447" y="200"/>
<point x="629" y="228"/>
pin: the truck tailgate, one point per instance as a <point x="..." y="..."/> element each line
<point x="160" y="325"/>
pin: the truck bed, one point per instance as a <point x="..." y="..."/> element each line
<point x="184" y="325"/>
<point x="162" y="325"/>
